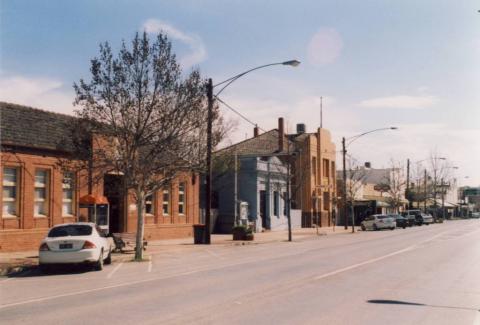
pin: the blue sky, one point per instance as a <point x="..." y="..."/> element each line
<point x="408" y="63"/>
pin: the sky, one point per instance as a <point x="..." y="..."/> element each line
<point x="412" y="64"/>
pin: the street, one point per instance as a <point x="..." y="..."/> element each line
<point x="419" y="275"/>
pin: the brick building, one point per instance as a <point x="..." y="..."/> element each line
<point x="37" y="194"/>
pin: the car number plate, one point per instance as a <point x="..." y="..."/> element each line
<point x="66" y="246"/>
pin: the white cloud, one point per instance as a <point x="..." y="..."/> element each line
<point x="324" y="47"/>
<point x="401" y="101"/>
<point x="42" y="93"/>
<point x="198" y="51"/>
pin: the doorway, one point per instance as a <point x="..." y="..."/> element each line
<point x="263" y="209"/>
<point x="113" y="190"/>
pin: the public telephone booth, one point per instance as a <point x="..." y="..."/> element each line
<point x="98" y="210"/>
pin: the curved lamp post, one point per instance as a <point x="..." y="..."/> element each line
<point x="344" y="152"/>
<point x="210" y="97"/>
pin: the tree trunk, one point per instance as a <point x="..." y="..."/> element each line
<point x="140" y="225"/>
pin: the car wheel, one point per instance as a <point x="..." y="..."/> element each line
<point x="404" y="227"/>
<point x="363" y="228"/>
<point x="99" y="264"/>
<point x="427" y="224"/>
<point x="375" y="227"/>
<point x="108" y="260"/>
<point x="393" y="228"/>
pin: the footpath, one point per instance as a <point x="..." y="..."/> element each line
<point x="14" y="262"/>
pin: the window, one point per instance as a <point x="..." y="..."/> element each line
<point x="149" y="207"/>
<point x="10" y="199"/>
<point x="275" y="203"/>
<point x="166" y="202"/>
<point x="181" y="198"/>
<point x="68" y="186"/>
<point x="41" y="193"/>
<point x="326" y="170"/>
<point x="333" y="169"/>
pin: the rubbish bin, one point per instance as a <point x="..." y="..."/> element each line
<point x="198" y="234"/>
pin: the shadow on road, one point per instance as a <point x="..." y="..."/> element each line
<point x="408" y="303"/>
<point x="34" y="271"/>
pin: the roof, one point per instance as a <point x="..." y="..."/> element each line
<point x="262" y="145"/>
<point x="25" y="126"/>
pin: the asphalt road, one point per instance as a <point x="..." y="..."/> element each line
<point x="420" y="275"/>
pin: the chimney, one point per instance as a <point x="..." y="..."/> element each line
<point x="255" y="131"/>
<point x="281" y="134"/>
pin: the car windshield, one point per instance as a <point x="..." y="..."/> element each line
<point x="70" y="230"/>
<point x="383" y="217"/>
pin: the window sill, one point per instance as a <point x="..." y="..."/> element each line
<point x="40" y="217"/>
<point x="149" y="215"/>
<point x="69" y="216"/>
<point x="9" y="216"/>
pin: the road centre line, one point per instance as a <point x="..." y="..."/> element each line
<point x="125" y="284"/>
<point x="112" y="272"/>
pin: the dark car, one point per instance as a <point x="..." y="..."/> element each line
<point x="413" y="217"/>
<point x="401" y="221"/>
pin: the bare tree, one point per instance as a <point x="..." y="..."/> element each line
<point x="147" y="120"/>
<point x="356" y="176"/>
<point x="395" y="182"/>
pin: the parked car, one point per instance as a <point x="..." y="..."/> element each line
<point x="378" y="221"/>
<point x="426" y="218"/>
<point x="475" y="215"/>
<point x="400" y="221"/>
<point x="414" y="217"/>
<point x="75" y="243"/>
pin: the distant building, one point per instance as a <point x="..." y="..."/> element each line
<point x="262" y="173"/>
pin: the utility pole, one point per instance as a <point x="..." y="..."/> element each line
<point x="208" y="178"/>
<point x="235" y="203"/>
<point x="408" y="183"/>
<point x="344" y="194"/>
<point x="425" y="191"/>
<point x="443" y="199"/>
<point x="288" y="197"/>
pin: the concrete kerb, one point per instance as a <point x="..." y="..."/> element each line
<point x="17" y="262"/>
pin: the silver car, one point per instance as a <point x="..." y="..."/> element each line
<point x="378" y="221"/>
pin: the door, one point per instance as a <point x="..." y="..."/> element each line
<point x="263" y="208"/>
<point x="113" y="190"/>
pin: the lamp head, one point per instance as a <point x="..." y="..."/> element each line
<point x="393" y="128"/>
<point x="293" y="63"/>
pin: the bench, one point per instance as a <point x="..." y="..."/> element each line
<point x="123" y="240"/>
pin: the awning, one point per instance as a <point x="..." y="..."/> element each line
<point x="91" y="199"/>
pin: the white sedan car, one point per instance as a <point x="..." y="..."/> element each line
<point x="75" y="243"/>
<point x="378" y="221"/>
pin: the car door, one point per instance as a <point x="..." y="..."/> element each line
<point x="369" y="222"/>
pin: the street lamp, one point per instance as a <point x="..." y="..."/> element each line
<point x="210" y="97"/>
<point x="344" y="152"/>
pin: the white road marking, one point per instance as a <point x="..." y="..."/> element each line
<point x="150" y="264"/>
<point x="213" y="254"/>
<point x="373" y="260"/>
<point x="112" y="272"/>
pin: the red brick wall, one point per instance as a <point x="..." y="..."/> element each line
<point x="25" y="231"/>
